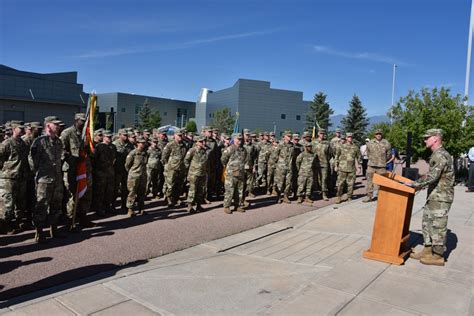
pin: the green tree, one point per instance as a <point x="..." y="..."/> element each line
<point x="223" y="120"/>
<point x="147" y="118"/>
<point x="356" y="120"/>
<point x="319" y="112"/>
<point x="419" y="111"/>
<point x="191" y="127"/>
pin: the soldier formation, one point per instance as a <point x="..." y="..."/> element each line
<point x="191" y="169"/>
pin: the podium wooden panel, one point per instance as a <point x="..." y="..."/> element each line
<point x="391" y="231"/>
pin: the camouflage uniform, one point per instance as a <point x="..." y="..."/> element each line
<point x="334" y="144"/>
<point x="135" y="164"/>
<point x="440" y="182"/>
<point x="153" y="168"/>
<point x="272" y="160"/>
<point x="212" y="174"/>
<point x="233" y="158"/>
<point x="173" y="160"/>
<point x="264" y="148"/>
<point x="103" y="172"/>
<point x="45" y="161"/>
<point x="120" y="173"/>
<point x="298" y="149"/>
<point x="379" y="152"/>
<point x="161" y="177"/>
<point x="322" y="149"/>
<point x="13" y="171"/>
<point x="345" y="163"/>
<point x="304" y="165"/>
<point x="283" y="173"/>
<point x="197" y="163"/>
<point x="252" y="155"/>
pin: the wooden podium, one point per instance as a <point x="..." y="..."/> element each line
<point x="391" y="232"/>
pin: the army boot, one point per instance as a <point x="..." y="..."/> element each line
<point x="349" y="198"/>
<point x="190" y="209"/>
<point x="142" y="212"/>
<point x="246" y="204"/>
<point x="300" y="200"/>
<point x="54" y="232"/>
<point x="425" y="252"/>
<point x="130" y="213"/>
<point x="227" y="210"/>
<point x="325" y="196"/>
<point x="199" y="208"/>
<point x="251" y="195"/>
<point x="308" y="200"/>
<point x="286" y="199"/>
<point x="433" y="260"/>
<point x="338" y="200"/>
<point x="368" y="198"/>
<point x="240" y="209"/>
<point x="39" y="236"/>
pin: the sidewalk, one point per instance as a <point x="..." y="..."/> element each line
<point x="309" y="264"/>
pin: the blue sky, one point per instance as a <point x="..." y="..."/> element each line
<point x="174" y="48"/>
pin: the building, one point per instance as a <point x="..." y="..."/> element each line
<point x="260" y="107"/>
<point x="125" y="108"/>
<point x="29" y="96"/>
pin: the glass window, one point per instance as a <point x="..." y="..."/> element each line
<point x="298" y="117"/>
<point x="123" y="110"/>
<point x="283" y="116"/>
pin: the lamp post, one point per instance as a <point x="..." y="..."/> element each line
<point x="393" y="91"/>
<point x="469" y="46"/>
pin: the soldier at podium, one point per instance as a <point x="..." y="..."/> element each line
<point x="440" y="183"/>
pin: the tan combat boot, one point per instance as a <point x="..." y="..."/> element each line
<point x="300" y="200"/>
<point x="130" y="213"/>
<point x="338" y="200"/>
<point x="325" y="196"/>
<point x="39" y="236"/>
<point x="190" y="209"/>
<point x="367" y="199"/>
<point x="54" y="232"/>
<point x="434" y="260"/>
<point x="286" y="199"/>
<point x="142" y="212"/>
<point x="425" y="252"/>
<point x="240" y="209"/>
<point x="308" y="200"/>
<point x="227" y="210"/>
<point x="349" y="198"/>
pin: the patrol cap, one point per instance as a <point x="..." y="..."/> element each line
<point x="146" y="131"/>
<point x="253" y="135"/>
<point x="306" y="134"/>
<point x="80" y="116"/>
<point x="97" y="133"/>
<point x="226" y="136"/>
<point x="155" y="139"/>
<point x="308" y="144"/>
<point x="348" y="134"/>
<point x="288" y="133"/>
<point x="122" y="131"/>
<point x="107" y="133"/>
<point x="260" y="134"/>
<point x="179" y="132"/>
<point x="163" y="132"/>
<point x="430" y="132"/>
<point x="101" y="130"/>
<point x="205" y="128"/>
<point x="201" y="139"/>
<point x="343" y="136"/>
<point x="15" y="124"/>
<point x="378" y="131"/>
<point x="266" y="133"/>
<point x="215" y="130"/>
<point x="129" y="129"/>
<point x="141" y="140"/>
<point x="367" y="140"/>
<point x="323" y="131"/>
<point x="246" y="131"/>
<point x="52" y="120"/>
<point x="131" y="135"/>
<point x="237" y="135"/>
<point x="338" y="130"/>
<point x="62" y="124"/>
<point x="296" y="136"/>
<point x="35" y="125"/>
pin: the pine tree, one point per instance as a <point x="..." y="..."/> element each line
<point x="356" y="120"/>
<point x="319" y="112"/>
<point x="147" y="118"/>
<point x="223" y="120"/>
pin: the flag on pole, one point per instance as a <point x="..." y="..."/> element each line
<point x="81" y="177"/>
<point x="88" y="132"/>
<point x="236" y="123"/>
<point x="314" y="132"/>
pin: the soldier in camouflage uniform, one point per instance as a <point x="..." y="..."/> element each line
<point x="334" y="144"/>
<point x="211" y="144"/>
<point x="250" y="167"/>
<point x="13" y="172"/>
<point x="154" y="167"/>
<point x="162" y="141"/>
<point x="440" y="183"/>
<point x="264" y="148"/>
<point x="103" y="172"/>
<point x="272" y="159"/>
<point x="173" y="160"/>
<point x="321" y="147"/>
<point x="304" y="165"/>
<point x="45" y="162"/>
<point x="379" y="152"/>
<point x="345" y="165"/>
<point x="135" y="164"/>
<point x="123" y="147"/>
<point x="233" y="159"/>
<point x="299" y="148"/>
<point x="283" y="173"/>
<point x="197" y="163"/>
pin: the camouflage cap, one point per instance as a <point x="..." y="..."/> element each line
<point x="308" y="144"/>
<point x="205" y="128"/>
<point x="35" y="125"/>
<point x="141" y="140"/>
<point x="338" y="130"/>
<point x="146" y="130"/>
<point x="100" y="129"/>
<point x="129" y="129"/>
<point x="122" y="131"/>
<point x="164" y="132"/>
<point x="15" y="124"/>
<point x="80" y="116"/>
<point x="179" y="132"/>
<point x="296" y="136"/>
<point x="107" y="133"/>
<point x="201" y="139"/>
<point x="52" y="119"/>
<point x="266" y="134"/>
<point x="62" y="124"/>
<point x="215" y="130"/>
<point x="97" y="133"/>
<point x="378" y="131"/>
<point x="323" y="131"/>
<point x="237" y="135"/>
<point x="288" y="133"/>
<point x="260" y="134"/>
<point x="367" y="140"/>
<point x="343" y="136"/>
<point x="225" y="136"/>
<point x="433" y="132"/>
<point x="348" y="134"/>
<point x="246" y="131"/>
<point x="253" y="135"/>
<point x="131" y="135"/>
<point x="306" y="134"/>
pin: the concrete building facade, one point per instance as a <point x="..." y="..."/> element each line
<point x="260" y="107"/>
<point x="29" y="96"/>
<point x="127" y="106"/>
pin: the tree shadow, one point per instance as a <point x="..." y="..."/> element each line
<point x="67" y="279"/>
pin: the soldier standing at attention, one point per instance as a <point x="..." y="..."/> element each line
<point x="162" y="141"/>
<point x="13" y="171"/>
<point x="135" y="164"/>
<point x="283" y="172"/>
<point x="173" y="160"/>
<point x="153" y="167"/>
<point x="440" y="183"/>
<point x="334" y="144"/>
<point x="197" y="163"/>
<point x="345" y="165"/>
<point x="271" y="168"/>
<point x="249" y="165"/>
<point x="123" y="148"/>
<point x="299" y="148"/>
<point x="304" y="164"/>
<point x="263" y="156"/>
<point x="378" y="151"/>
<point x="212" y="152"/>
<point x="233" y="159"/>
<point x="321" y="147"/>
<point x="45" y="162"/>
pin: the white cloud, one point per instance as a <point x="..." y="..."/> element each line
<point x="364" y="56"/>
